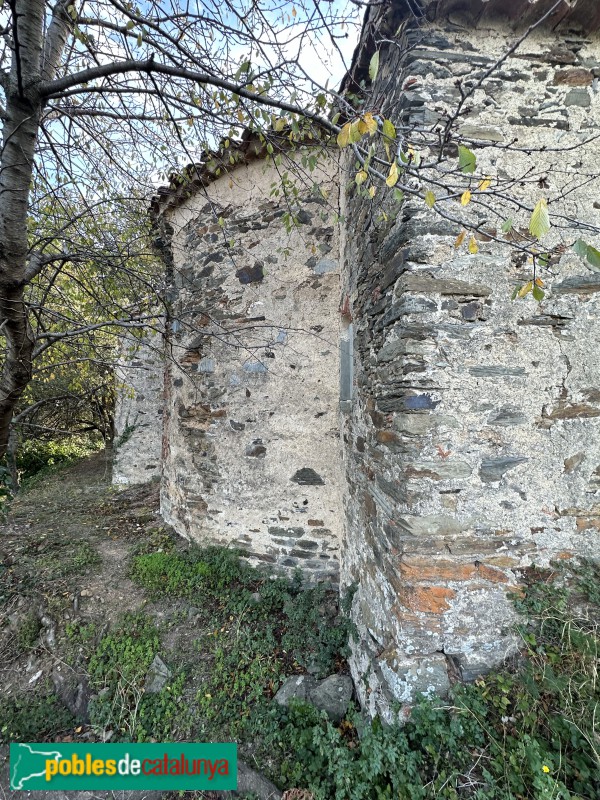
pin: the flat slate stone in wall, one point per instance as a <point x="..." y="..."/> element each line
<point x="472" y="447"/>
<point x="252" y="453"/>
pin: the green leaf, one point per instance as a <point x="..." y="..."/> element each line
<point x="374" y="65"/>
<point x="507" y="227"/>
<point x="398" y="195"/>
<point x="466" y="160"/>
<point x="355" y="134"/>
<point x="539" y="224"/>
<point x="429" y="199"/>
<point x="388" y="129"/>
<point x="593" y="257"/>
<point x="538" y="294"/>
<point x="515" y="293"/>
<point x="589" y="253"/>
<point x="543" y="259"/>
<point x="130" y="25"/>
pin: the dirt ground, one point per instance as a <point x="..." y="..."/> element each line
<point x="65" y="550"/>
<point x="64" y="555"/>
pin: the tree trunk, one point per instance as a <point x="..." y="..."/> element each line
<point x="19" y="137"/>
<point x="11" y="460"/>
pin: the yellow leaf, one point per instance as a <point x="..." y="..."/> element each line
<point x="473" y="248"/>
<point x="539" y="282"/>
<point x="361" y="177"/>
<point x="466" y="198"/>
<point x="485" y="184"/>
<point x="429" y="199"/>
<point x="343" y="137"/>
<point x="460" y="239"/>
<point x="362" y="127"/>
<point x="372" y="192"/>
<point x="525" y="289"/>
<point x="370" y="122"/>
<point x="392" y="178"/>
<point x="280" y="124"/>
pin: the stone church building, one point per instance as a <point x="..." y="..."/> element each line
<point x="349" y="392"/>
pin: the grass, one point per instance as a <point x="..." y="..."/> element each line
<point x="245" y="632"/>
<point x="54" y="558"/>
<point x="33" y="718"/>
<point x="298" y="623"/>
<point x="117" y="662"/>
<point x="74" y="561"/>
<point x="39" y="459"/>
<point x="28" y="631"/>
<point x="255" y="630"/>
<point x="529" y="731"/>
<point x="117" y="670"/>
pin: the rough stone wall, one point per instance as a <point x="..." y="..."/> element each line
<point x="472" y="449"/>
<point x="138" y="412"/>
<point x="251" y="446"/>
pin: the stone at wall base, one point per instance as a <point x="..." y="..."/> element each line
<point x="332" y="695"/>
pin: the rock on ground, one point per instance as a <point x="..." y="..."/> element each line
<point x="332" y="695"/>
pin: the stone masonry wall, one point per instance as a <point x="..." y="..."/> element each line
<point x="138" y="412"/>
<point x="472" y="449"/>
<point x="252" y="455"/>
